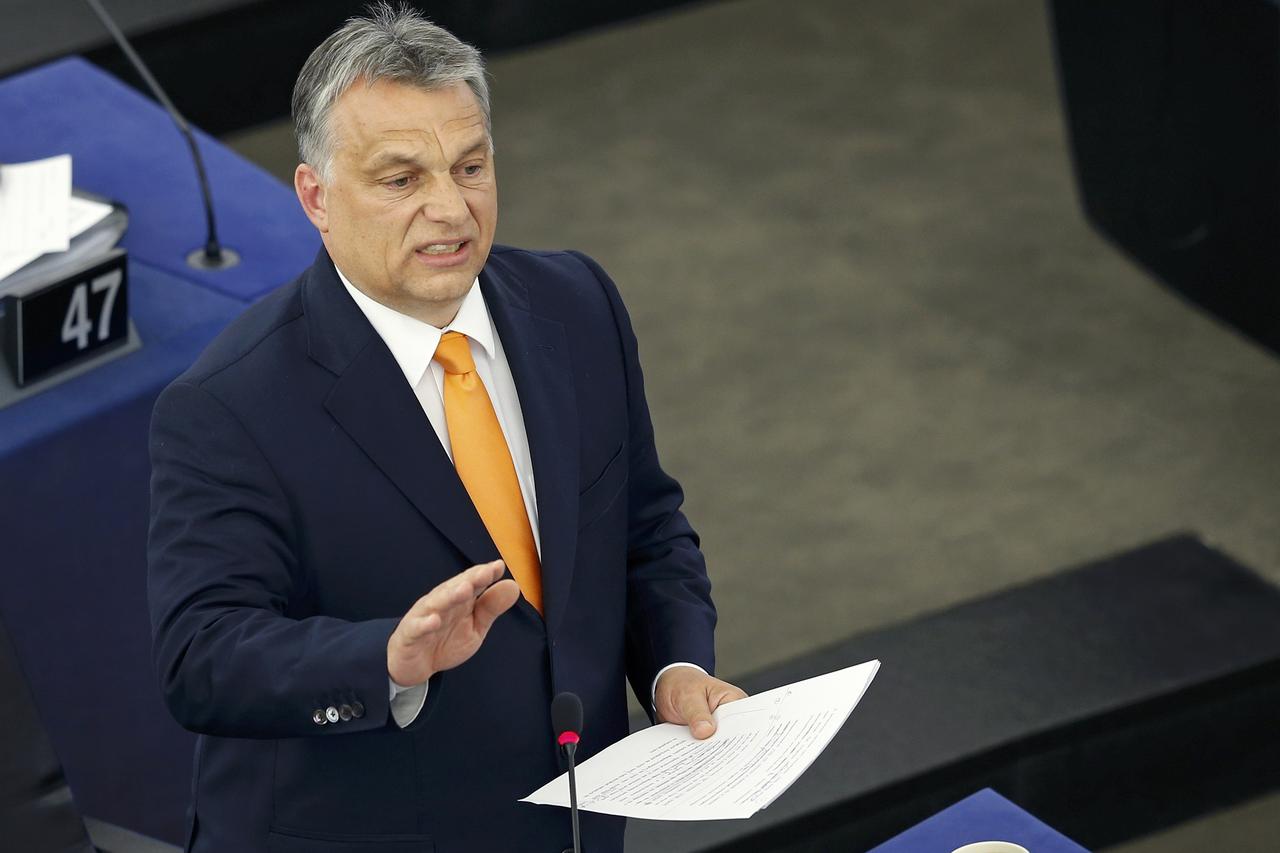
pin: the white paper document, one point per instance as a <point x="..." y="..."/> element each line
<point x="83" y="214"/>
<point x="761" y="746"/>
<point x="34" y="200"/>
<point x="38" y="214"/>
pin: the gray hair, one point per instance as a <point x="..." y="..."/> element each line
<point x="390" y="44"/>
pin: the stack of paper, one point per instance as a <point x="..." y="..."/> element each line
<point x="38" y="213"/>
<point x="762" y="744"/>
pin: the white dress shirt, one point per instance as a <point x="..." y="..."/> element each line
<point x="413" y="345"/>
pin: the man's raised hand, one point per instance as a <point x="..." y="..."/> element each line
<point x="447" y="625"/>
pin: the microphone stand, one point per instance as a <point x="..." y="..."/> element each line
<point x="213" y="256"/>
<point x="569" y="747"/>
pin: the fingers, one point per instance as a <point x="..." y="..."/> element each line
<point x="724" y="692"/>
<point x="448" y="602"/>
<point x="483" y="576"/>
<point x="459" y="589"/>
<point x="493" y="602"/>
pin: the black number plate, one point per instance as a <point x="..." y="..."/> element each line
<point x="67" y="321"/>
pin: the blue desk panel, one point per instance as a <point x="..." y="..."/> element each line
<point x="984" y="816"/>
<point x="73" y="521"/>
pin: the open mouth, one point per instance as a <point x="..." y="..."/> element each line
<point x="443" y="254"/>
<point x="442" y="248"/>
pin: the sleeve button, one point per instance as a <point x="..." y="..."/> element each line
<point x="331" y="714"/>
<point x="345" y="713"/>
<point x="318" y="717"/>
<point x="357" y="710"/>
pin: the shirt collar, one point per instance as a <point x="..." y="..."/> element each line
<point x="412" y="342"/>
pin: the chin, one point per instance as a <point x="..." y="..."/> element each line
<point x="442" y="290"/>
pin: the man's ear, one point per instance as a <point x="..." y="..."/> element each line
<point x="306" y="183"/>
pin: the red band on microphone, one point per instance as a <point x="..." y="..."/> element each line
<point x="567" y="737"/>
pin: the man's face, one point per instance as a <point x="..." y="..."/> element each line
<point x="411" y="203"/>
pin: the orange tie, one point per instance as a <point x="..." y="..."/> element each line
<point x="483" y="460"/>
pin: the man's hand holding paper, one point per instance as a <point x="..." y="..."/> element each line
<point x="762" y="744"/>
<point x="686" y="695"/>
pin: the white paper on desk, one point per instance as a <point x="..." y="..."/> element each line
<point x="82" y="214"/>
<point x="34" y="203"/>
<point x="761" y="746"/>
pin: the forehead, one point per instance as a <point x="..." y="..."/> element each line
<point x="365" y="116"/>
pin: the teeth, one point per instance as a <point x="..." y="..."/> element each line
<point x="442" y="248"/>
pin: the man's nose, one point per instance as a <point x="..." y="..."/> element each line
<point x="444" y="202"/>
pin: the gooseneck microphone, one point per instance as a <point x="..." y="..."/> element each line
<point x="566" y="722"/>
<point x="214" y="256"/>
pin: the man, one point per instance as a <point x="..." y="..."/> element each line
<point x="420" y="412"/>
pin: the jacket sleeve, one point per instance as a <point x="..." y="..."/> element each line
<point x="670" y="614"/>
<point x="222" y="573"/>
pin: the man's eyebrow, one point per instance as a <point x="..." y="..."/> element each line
<point x="481" y="144"/>
<point x="396" y="158"/>
<point x="391" y="158"/>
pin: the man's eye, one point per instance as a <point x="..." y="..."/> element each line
<point x="472" y="170"/>
<point x="399" y="183"/>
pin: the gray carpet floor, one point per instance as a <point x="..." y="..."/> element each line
<point x="889" y="360"/>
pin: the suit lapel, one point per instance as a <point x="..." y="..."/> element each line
<point x="374" y="405"/>
<point x="538" y="354"/>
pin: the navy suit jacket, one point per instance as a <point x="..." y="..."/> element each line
<point x="301" y="502"/>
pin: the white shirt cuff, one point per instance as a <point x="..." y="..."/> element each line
<point x="407" y="702"/>
<point x="653" y="689"/>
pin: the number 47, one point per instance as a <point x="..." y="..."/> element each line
<point x="77" y="326"/>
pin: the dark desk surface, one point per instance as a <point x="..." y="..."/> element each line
<point x="1060" y="692"/>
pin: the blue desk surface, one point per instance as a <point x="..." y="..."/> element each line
<point x="984" y="816"/>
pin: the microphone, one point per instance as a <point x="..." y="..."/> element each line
<point x="566" y="722"/>
<point x="213" y="256"/>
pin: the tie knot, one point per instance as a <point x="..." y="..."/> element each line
<point x="454" y="353"/>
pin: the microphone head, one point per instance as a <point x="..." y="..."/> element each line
<point x="566" y="716"/>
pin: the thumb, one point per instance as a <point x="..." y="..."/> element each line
<point x="696" y="712"/>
